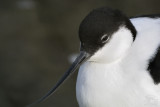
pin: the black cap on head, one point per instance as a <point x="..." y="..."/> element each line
<point x="99" y="22"/>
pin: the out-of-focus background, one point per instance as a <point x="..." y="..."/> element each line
<point x="36" y="39"/>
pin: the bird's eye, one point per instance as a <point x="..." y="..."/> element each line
<point x="104" y="38"/>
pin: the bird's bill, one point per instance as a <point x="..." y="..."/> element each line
<point x="82" y="57"/>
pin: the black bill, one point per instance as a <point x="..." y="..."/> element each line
<point x="83" y="56"/>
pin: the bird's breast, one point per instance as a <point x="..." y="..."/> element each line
<point x="110" y="85"/>
<point x="98" y="83"/>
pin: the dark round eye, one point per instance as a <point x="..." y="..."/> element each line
<point x="104" y="38"/>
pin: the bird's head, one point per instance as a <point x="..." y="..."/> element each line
<point x="106" y="35"/>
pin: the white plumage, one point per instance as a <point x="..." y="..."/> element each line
<point x="116" y="75"/>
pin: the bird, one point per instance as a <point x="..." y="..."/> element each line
<point x="119" y="60"/>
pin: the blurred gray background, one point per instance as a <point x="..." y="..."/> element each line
<point x="36" y="39"/>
